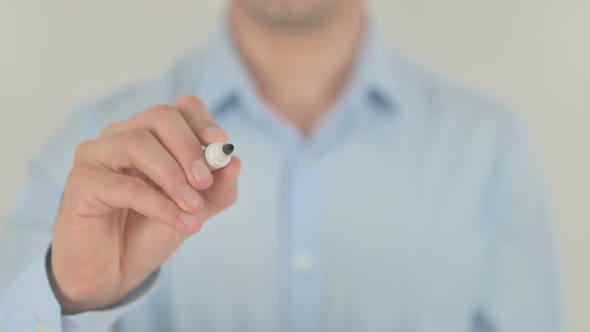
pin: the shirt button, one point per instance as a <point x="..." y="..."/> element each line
<point x="41" y="328"/>
<point x="302" y="262"/>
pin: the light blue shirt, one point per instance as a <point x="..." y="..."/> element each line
<point x="416" y="206"/>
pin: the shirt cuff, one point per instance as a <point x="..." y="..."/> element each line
<point x="29" y="304"/>
<point x="103" y="320"/>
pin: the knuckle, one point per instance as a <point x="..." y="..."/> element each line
<point x="159" y="112"/>
<point x="191" y="101"/>
<point x="77" y="173"/>
<point x="112" y="185"/>
<point x="110" y="129"/>
<point x="200" y="123"/>
<point x="81" y="152"/>
<point x="135" y="139"/>
<point x="194" y="230"/>
<point x="203" y="123"/>
<point x="132" y="186"/>
<point x="180" y="236"/>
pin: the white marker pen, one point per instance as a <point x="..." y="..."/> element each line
<point x="218" y="155"/>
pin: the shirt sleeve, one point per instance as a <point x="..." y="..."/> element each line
<point x="30" y="303"/>
<point x="27" y="302"/>
<point x="522" y="291"/>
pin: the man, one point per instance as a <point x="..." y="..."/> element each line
<point x="374" y="196"/>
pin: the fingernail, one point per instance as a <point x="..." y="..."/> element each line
<point x="201" y="171"/>
<point x="191" y="197"/>
<point x="212" y="132"/>
<point x="190" y="220"/>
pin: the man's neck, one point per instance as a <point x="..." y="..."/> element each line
<point x="300" y="73"/>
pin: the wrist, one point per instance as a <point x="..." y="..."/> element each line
<point x="72" y="302"/>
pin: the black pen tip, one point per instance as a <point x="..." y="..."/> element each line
<point x="228" y="149"/>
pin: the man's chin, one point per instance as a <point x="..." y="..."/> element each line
<point x="286" y="14"/>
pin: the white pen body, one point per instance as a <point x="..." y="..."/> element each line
<point x="215" y="157"/>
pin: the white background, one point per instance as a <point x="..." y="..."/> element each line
<point x="534" y="54"/>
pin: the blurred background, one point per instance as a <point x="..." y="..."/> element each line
<point x="533" y="54"/>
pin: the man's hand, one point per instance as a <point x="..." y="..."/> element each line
<point x="131" y="198"/>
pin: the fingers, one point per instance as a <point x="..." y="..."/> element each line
<point x="124" y="191"/>
<point x="198" y="119"/>
<point x="165" y="144"/>
<point x="140" y="150"/>
<point x="224" y="190"/>
<point x="170" y="128"/>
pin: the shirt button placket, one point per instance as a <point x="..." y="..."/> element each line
<point x="302" y="243"/>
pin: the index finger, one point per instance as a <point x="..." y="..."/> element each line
<point x="199" y="120"/>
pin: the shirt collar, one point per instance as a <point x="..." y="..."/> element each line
<point x="222" y="79"/>
<point x="374" y="77"/>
